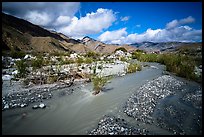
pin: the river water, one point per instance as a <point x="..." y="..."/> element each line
<point x="80" y="112"/>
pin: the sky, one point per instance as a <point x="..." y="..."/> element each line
<point x="115" y="22"/>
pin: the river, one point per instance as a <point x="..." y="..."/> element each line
<point x="80" y="112"/>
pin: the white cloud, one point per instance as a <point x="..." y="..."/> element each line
<point x="62" y="20"/>
<point x="35" y="17"/>
<point x="42" y="13"/>
<point x="113" y="37"/>
<point x="174" y="31"/>
<point x="126" y="18"/>
<point x="176" y="23"/>
<point x="172" y="24"/>
<point x="92" y="23"/>
<point x="179" y="34"/>
<point x="187" y="20"/>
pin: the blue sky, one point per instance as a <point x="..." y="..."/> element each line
<point x="148" y="14"/>
<point x="117" y="22"/>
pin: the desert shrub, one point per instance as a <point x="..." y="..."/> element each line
<point x="92" y="54"/>
<point x="47" y="61"/>
<point x="132" y="68"/>
<point x="123" y="59"/>
<point x="17" y="54"/>
<point x="121" y="48"/>
<point x="37" y="63"/>
<point x="148" y="57"/>
<point x="141" y="51"/>
<point x="136" y="55"/>
<point x="98" y="83"/>
<point x="88" y="60"/>
<point x="66" y="62"/>
<point x="79" y="60"/>
<point x="186" y="70"/>
<point x="51" y="79"/>
<point x="22" y="68"/>
<point x="139" y="67"/>
<point x="181" y="65"/>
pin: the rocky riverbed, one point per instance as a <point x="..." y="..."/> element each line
<point x="110" y="125"/>
<point x="27" y="96"/>
<point x="160" y="102"/>
<point x="141" y="104"/>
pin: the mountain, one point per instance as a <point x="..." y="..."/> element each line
<point x="161" y="47"/>
<point x="21" y="35"/>
<point x="101" y="47"/>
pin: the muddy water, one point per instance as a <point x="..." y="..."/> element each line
<point x="79" y="112"/>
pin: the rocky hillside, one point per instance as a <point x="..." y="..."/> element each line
<point x="101" y="47"/>
<point x="21" y="35"/>
<point x="162" y="46"/>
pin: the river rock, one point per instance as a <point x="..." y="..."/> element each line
<point x="42" y="105"/>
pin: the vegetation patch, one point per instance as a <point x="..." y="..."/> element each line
<point x="98" y="83"/>
<point x="121" y="48"/>
<point x="180" y="64"/>
<point x="133" y="67"/>
<point x="22" y="68"/>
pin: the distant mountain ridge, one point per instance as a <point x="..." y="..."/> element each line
<point x="161" y="47"/>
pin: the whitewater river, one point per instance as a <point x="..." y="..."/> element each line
<point x="80" y="112"/>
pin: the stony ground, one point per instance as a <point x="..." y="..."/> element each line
<point x="179" y="113"/>
<point x="26" y="97"/>
<point x="110" y="125"/>
<point x="141" y="104"/>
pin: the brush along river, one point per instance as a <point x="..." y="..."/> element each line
<point x="176" y="111"/>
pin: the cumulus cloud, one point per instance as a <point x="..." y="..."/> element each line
<point x="126" y="18"/>
<point x="113" y="36"/>
<point x="62" y="20"/>
<point x="176" y="33"/>
<point x="42" y="13"/>
<point x="92" y="23"/>
<point x="60" y="16"/>
<point x="176" y="23"/>
<point x="35" y="17"/>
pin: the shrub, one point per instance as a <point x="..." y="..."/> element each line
<point x="121" y="48"/>
<point x="123" y="59"/>
<point x="136" y="55"/>
<point x="92" y="54"/>
<point x="181" y="65"/>
<point x="51" y="79"/>
<point x="79" y="60"/>
<point x="37" y="63"/>
<point x="22" y="68"/>
<point x="139" y="67"/>
<point x="88" y="60"/>
<point x="132" y="68"/>
<point x="17" y="54"/>
<point x="98" y="83"/>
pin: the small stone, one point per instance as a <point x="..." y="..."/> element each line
<point x="35" y="107"/>
<point x="42" y="105"/>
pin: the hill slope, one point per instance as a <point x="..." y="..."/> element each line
<point x="21" y="35"/>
